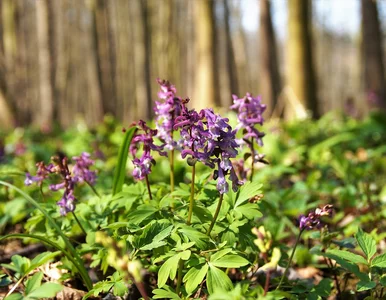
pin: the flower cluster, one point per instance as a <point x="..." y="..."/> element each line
<point x="166" y="111"/>
<point x="249" y="114"/>
<point x="209" y="138"/>
<point x="81" y="169"/>
<point x="80" y="173"/>
<point x="142" y="165"/>
<point x="313" y="219"/>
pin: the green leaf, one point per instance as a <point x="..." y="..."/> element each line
<point x="42" y="258"/>
<point x="165" y="293"/>
<point x="139" y="215"/>
<point x="153" y="236"/>
<point x="220" y="254"/>
<point x="120" y="288"/>
<point x="194" y="277"/>
<point x="217" y="280"/>
<point x="379" y="261"/>
<point x="21" y="264"/>
<point x="14" y="297"/>
<point x="365" y="285"/>
<point x="383" y="280"/>
<point x="230" y="261"/>
<point x="249" y="210"/>
<point x="367" y="243"/>
<point x="47" y="290"/>
<point x="323" y="289"/>
<point x="248" y="191"/>
<point x="34" y="282"/>
<point x="168" y="269"/>
<point x="194" y="235"/>
<point x="354" y="258"/>
<point x="120" y="169"/>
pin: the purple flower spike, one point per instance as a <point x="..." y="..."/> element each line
<point x="313" y="219"/>
<point x="249" y="114"/>
<point x="81" y="169"/>
<point x="142" y="166"/>
<point x="166" y="112"/>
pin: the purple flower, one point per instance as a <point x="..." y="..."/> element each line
<point x="208" y="138"/>
<point x="142" y="165"/>
<point x="313" y="219"/>
<point x="166" y="112"/>
<point x="67" y="203"/>
<point x="81" y="171"/>
<point x="249" y="114"/>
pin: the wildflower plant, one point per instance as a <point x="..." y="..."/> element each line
<point x="201" y="236"/>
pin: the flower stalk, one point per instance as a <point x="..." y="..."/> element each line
<point x="215" y="214"/>
<point x="191" y="198"/>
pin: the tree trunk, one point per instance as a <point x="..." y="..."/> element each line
<point x="141" y="59"/>
<point x="270" y="81"/>
<point x="301" y="76"/>
<point x="372" y="53"/>
<point x="45" y="69"/>
<point x="205" y="78"/>
<point x="103" y="46"/>
<point x="230" y="55"/>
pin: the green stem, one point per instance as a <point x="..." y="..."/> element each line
<point x="83" y="271"/>
<point x="93" y="189"/>
<point x="179" y="276"/>
<point x="290" y="259"/>
<point x="215" y="215"/>
<point x="80" y="224"/>
<point x="253" y="159"/>
<point x="191" y="199"/>
<point x="148" y="187"/>
<point x="171" y="171"/>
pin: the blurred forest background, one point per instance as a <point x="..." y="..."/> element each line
<point x="64" y="59"/>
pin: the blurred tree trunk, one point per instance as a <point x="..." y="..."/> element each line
<point x="141" y="59"/>
<point x="7" y="53"/>
<point x="230" y="55"/>
<point x="372" y="53"/>
<point x="270" y="81"/>
<point x="301" y="76"/>
<point x="205" y="76"/>
<point x="102" y="43"/>
<point x="45" y="117"/>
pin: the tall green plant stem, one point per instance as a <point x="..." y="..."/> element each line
<point x="253" y="159"/>
<point x="80" y="224"/>
<point x="79" y="263"/>
<point x="171" y="159"/>
<point x="215" y="214"/>
<point x="93" y="189"/>
<point x="148" y="187"/>
<point x="290" y="259"/>
<point x="179" y="276"/>
<point x="191" y="199"/>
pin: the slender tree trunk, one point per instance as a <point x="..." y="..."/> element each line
<point x="372" y="53"/>
<point x="45" y="69"/>
<point x="141" y="59"/>
<point x="205" y="80"/>
<point x="230" y="55"/>
<point x="270" y="81"/>
<point x="103" y="46"/>
<point x="301" y="76"/>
